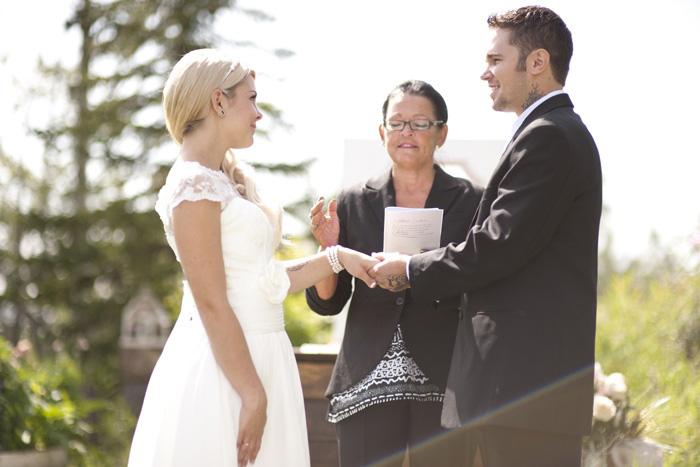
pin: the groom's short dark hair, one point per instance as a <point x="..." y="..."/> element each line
<point x="536" y="27"/>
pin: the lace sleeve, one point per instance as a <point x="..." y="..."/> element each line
<point x="189" y="181"/>
<point x="196" y="187"/>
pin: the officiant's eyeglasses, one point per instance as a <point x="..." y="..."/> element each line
<point x="417" y="125"/>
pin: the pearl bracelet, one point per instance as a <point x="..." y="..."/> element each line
<point x="332" y="255"/>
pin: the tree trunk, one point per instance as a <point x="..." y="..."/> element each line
<point x="80" y="91"/>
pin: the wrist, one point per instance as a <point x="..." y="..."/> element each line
<point x="324" y="245"/>
<point x="254" y="399"/>
<point x="334" y="254"/>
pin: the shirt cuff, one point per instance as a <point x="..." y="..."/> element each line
<point x="408" y="263"/>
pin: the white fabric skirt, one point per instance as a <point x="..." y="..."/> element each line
<point x="190" y="413"/>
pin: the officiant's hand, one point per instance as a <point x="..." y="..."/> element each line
<point x="390" y="274"/>
<point x="324" y="223"/>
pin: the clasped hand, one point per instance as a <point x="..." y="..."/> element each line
<point x="390" y="273"/>
<point x="388" y="270"/>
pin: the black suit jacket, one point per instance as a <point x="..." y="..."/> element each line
<point x="524" y="352"/>
<point x="374" y="313"/>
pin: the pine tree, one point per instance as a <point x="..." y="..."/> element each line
<point x="80" y="234"/>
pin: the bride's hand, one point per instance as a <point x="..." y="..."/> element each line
<point x="357" y="264"/>
<point x="250" y="428"/>
<point x="325" y="226"/>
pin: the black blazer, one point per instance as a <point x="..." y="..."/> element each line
<point x="524" y="351"/>
<point x="374" y="313"/>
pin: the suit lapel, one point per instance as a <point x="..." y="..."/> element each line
<point x="561" y="100"/>
<point x="379" y="192"/>
<point x="443" y="192"/>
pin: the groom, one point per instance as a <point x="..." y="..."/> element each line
<point x="521" y="378"/>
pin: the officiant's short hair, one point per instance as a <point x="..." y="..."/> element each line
<point x="419" y="88"/>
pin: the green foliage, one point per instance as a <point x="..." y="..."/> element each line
<point x="73" y="289"/>
<point x="302" y="324"/>
<point x="42" y="406"/>
<point x="648" y="329"/>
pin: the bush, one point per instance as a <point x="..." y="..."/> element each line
<point x="302" y="324"/>
<point x="42" y="406"/>
<point x="647" y="329"/>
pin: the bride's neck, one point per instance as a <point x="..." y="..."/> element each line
<point x="201" y="147"/>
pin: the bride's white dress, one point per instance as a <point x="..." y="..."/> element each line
<point x="190" y="413"/>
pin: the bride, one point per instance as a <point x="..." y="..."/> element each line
<point x="226" y="388"/>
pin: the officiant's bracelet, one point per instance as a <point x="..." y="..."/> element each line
<point x="332" y="255"/>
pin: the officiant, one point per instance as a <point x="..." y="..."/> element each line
<point x="389" y="379"/>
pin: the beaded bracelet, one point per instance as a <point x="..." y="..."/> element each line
<point x="332" y="255"/>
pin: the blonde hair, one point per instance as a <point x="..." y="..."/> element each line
<point x="186" y="103"/>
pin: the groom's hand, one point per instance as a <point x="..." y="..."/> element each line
<point x="390" y="274"/>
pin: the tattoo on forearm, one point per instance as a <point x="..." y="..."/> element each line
<point x="298" y="266"/>
<point x="397" y="282"/>
<point x="534" y="96"/>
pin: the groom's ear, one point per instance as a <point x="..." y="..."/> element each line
<point x="538" y="61"/>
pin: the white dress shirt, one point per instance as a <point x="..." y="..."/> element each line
<point x="528" y="111"/>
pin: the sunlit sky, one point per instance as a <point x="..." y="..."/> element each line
<point x="633" y="79"/>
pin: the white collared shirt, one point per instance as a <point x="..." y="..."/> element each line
<point x="528" y="111"/>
